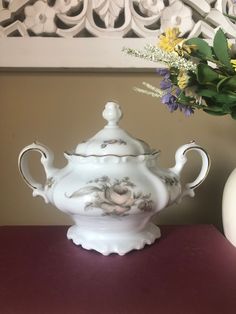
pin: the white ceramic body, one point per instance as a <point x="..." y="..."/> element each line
<point x="112" y="186"/>
<point x="112" y="198"/>
<point x="114" y="222"/>
<point x="229" y="208"/>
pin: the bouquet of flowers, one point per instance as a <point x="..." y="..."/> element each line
<point x="195" y="75"/>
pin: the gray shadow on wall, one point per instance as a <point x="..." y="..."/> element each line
<point x="204" y="208"/>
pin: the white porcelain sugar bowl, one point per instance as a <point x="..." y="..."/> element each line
<point x="112" y="186"/>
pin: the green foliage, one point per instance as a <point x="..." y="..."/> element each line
<point x="205" y="74"/>
<point x="216" y="84"/>
<point x="227" y="99"/>
<point x="220" y="85"/>
<point x="202" y="49"/>
<point x="183" y="99"/>
<point x="216" y="111"/>
<point x="209" y="93"/>
<point x="233" y="113"/>
<point x="229" y="84"/>
<point x="201" y="76"/>
<point x="221" y="49"/>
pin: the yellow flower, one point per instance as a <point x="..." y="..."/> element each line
<point x="183" y="79"/>
<point x="233" y="62"/>
<point x="170" y="39"/>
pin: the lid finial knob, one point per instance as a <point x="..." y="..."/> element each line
<point x="112" y="114"/>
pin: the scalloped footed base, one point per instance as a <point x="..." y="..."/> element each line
<point x="107" y="243"/>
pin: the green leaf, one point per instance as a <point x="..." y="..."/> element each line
<point x="226" y="99"/>
<point x="203" y="49"/>
<point x="206" y="74"/>
<point x="207" y="93"/>
<point x="221" y="50"/>
<point x="215" y="111"/>
<point x="233" y="113"/>
<point x="183" y="98"/>
<point x="221" y="83"/>
<point x="229" y="83"/>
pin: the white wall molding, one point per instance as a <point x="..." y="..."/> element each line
<point x="90" y="34"/>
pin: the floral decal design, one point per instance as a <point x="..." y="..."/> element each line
<point x="115" y="197"/>
<point x="170" y="180"/>
<point x="113" y="141"/>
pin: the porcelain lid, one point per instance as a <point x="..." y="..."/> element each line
<point x="112" y="140"/>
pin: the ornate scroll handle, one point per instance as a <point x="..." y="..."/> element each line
<point x="181" y="159"/>
<point x="46" y="161"/>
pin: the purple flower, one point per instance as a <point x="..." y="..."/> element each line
<point x="170" y="101"/>
<point x="166" y="98"/>
<point x="172" y="104"/>
<point x="163" y="72"/>
<point x="178" y="90"/>
<point x="165" y="84"/>
<point x="187" y="110"/>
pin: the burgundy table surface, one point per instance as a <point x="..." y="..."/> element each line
<point x="191" y="269"/>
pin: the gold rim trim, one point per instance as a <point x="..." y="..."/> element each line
<point x="208" y="159"/>
<point x="156" y="152"/>
<point x="20" y="164"/>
